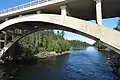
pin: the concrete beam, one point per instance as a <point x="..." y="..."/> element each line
<point x="20" y="15"/>
<point x="63" y="10"/>
<point x="8" y="46"/>
<point x="38" y="12"/>
<point x="6" y="19"/>
<point x="0" y="43"/>
<point x="5" y="40"/>
<point x="5" y="37"/>
<point x="98" y="12"/>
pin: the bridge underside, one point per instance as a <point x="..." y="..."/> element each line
<point x="83" y="9"/>
<point x="86" y="9"/>
<point x="28" y="24"/>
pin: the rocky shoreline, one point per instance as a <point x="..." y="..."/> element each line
<point x="44" y="55"/>
<point x="114" y="62"/>
<point x="29" y="60"/>
<point x="106" y="50"/>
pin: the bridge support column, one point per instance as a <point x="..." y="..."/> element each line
<point x="38" y="12"/>
<point x="98" y="12"/>
<point x="5" y="38"/>
<point x="63" y="10"/>
<point x="0" y="43"/>
<point x="20" y="15"/>
<point x="13" y="36"/>
<point x="6" y="19"/>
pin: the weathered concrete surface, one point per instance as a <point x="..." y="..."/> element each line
<point x="91" y="30"/>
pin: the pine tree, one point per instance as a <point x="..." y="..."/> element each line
<point x="47" y="41"/>
<point x="118" y="26"/>
<point x="62" y="33"/>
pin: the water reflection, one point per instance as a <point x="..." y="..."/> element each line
<point x="87" y="64"/>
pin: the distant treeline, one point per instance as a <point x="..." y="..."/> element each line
<point x="48" y="40"/>
<point x="99" y="45"/>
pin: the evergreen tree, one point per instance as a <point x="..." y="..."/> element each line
<point x="118" y="26"/>
<point x="47" y="41"/>
<point x="62" y="33"/>
<point x="118" y="22"/>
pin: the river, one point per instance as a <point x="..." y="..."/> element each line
<point x="87" y="64"/>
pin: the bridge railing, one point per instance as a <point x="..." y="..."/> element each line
<point x="29" y="4"/>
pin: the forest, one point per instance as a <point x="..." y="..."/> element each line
<point x="48" y="40"/>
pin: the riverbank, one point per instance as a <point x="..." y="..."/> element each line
<point x="105" y="49"/>
<point x="114" y="62"/>
<point x="73" y="66"/>
<point x="44" y="55"/>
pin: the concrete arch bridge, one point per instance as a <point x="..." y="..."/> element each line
<point x="69" y="15"/>
<point x="31" y="23"/>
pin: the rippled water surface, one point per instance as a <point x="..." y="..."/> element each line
<point x="88" y="64"/>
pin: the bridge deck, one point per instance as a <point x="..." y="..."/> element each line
<point x="84" y="9"/>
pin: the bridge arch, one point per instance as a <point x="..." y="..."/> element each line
<point x="107" y="36"/>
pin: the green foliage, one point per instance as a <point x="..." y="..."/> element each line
<point x="78" y="44"/>
<point x="99" y="45"/>
<point x="118" y="23"/>
<point x="49" y="41"/>
<point x="64" y="45"/>
<point x="56" y="47"/>
<point x="118" y="26"/>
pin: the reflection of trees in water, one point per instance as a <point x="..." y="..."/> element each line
<point x="8" y="70"/>
<point x="12" y="71"/>
<point x="46" y="69"/>
<point x="55" y="62"/>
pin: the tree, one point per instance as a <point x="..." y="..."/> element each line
<point x="118" y="22"/>
<point x="118" y="26"/>
<point x="49" y="41"/>
<point x="62" y="33"/>
<point x="99" y="45"/>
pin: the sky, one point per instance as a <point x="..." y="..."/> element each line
<point x="110" y="23"/>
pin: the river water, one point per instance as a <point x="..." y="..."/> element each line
<point x="88" y="64"/>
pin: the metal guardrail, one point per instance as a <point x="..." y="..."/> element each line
<point x="29" y="4"/>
